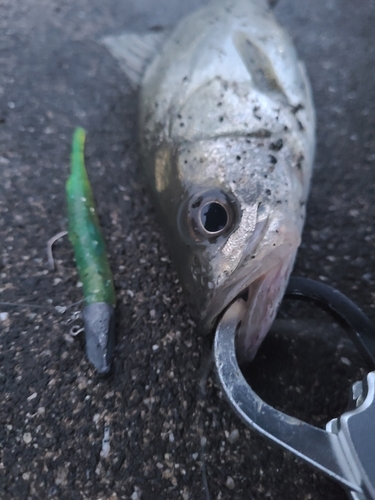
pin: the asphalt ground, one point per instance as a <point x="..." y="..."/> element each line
<point x="172" y="435"/>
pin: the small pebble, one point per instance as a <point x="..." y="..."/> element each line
<point x="136" y="494"/>
<point x="233" y="436"/>
<point x="69" y="339"/>
<point x="60" y="309"/>
<point x="345" y="361"/>
<point x="27" y="437"/>
<point x="32" y="396"/>
<point x="230" y="483"/>
<point x="4" y="316"/>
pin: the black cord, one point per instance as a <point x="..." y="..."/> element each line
<point x="361" y="328"/>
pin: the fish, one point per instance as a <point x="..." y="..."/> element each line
<point x="226" y="137"/>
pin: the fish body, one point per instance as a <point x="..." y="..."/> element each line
<point x="227" y="137"/>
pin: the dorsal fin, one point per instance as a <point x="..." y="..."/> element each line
<point x="134" y="51"/>
<point x="259" y="65"/>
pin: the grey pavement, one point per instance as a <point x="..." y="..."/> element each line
<point x="172" y="435"/>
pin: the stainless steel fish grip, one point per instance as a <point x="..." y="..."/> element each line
<point x="346" y="449"/>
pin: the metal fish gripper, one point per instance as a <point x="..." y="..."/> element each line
<point x="345" y="451"/>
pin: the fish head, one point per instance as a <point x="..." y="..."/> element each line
<point x="235" y="217"/>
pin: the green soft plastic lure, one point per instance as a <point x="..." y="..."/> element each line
<point x="92" y="263"/>
<point x="84" y="230"/>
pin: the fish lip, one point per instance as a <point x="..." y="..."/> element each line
<point x="236" y="286"/>
<point x="283" y="255"/>
<point x="225" y="297"/>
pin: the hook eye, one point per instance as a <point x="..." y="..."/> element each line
<point x="75" y="330"/>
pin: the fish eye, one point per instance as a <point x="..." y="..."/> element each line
<point x="212" y="213"/>
<point x="214" y="217"/>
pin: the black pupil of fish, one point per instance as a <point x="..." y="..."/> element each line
<point x="214" y="217"/>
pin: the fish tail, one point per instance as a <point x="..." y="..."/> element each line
<point x="77" y="154"/>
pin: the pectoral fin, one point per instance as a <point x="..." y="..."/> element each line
<point x="134" y="51"/>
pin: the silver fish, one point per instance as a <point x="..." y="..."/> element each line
<point x="227" y="138"/>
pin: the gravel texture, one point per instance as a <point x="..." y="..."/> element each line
<point x="171" y="434"/>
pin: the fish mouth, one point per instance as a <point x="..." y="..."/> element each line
<point x="261" y="302"/>
<point x="261" y="284"/>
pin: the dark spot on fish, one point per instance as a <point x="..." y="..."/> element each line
<point x="253" y="256"/>
<point x="272" y="159"/>
<point x="204" y="280"/>
<point x="185" y="79"/>
<point x="238" y="158"/>
<point x="274" y="244"/>
<point x="201" y="160"/>
<point x="265" y="176"/>
<point x="255" y="111"/>
<point x="277" y="145"/>
<point x="300" y="126"/>
<point x="196" y="272"/>
<point x="297" y="108"/>
<point x="185" y="162"/>
<point x="179" y="116"/>
<point x="302" y="204"/>
<point x="157" y="28"/>
<point x="279" y="202"/>
<point x="182" y="124"/>
<point x="285" y="128"/>
<point x="156" y="105"/>
<point x="197" y="203"/>
<point x="299" y="162"/>
<point x="262" y="133"/>
<point x="268" y="192"/>
<point x="277" y="231"/>
<point x="219" y="104"/>
<point x="221" y="119"/>
<point x="248" y="141"/>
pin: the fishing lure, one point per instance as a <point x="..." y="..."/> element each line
<point x="92" y="263"/>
